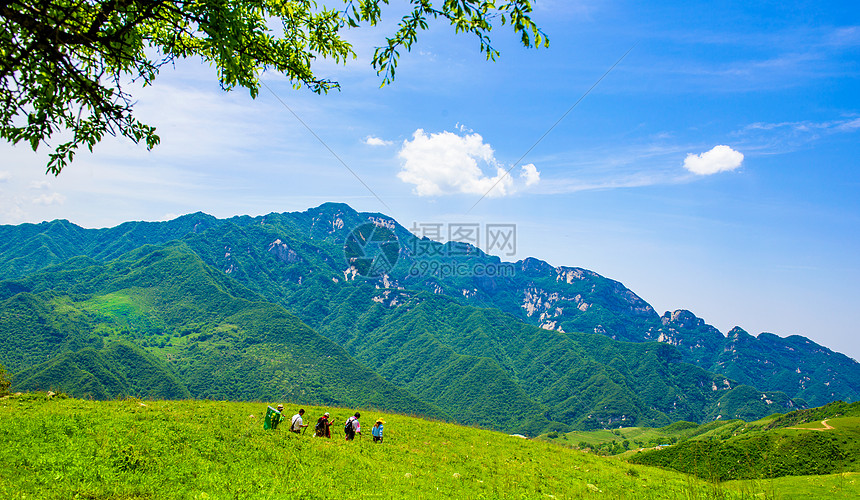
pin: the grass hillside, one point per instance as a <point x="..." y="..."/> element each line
<point x="823" y="440"/>
<point x="625" y="441"/>
<point x="815" y="441"/>
<point x="132" y="449"/>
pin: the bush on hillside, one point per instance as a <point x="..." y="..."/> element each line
<point x="5" y="381"/>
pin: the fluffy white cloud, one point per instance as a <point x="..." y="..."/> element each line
<point x="376" y="141"/>
<point x="4" y="176"/>
<point x="719" y="159"/>
<point x="446" y="163"/>
<point x="50" y="199"/>
<point x="530" y="174"/>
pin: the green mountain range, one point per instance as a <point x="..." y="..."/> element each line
<point x="281" y="307"/>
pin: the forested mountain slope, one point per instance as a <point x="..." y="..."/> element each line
<point x="533" y="336"/>
<point x="217" y="339"/>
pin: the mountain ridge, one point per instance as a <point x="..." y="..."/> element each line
<point x="296" y="260"/>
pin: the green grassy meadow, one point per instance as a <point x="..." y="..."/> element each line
<point x="844" y="485"/>
<point x="133" y="449"/>
<point x="625" y="441"/>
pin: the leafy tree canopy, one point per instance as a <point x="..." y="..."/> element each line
<point x="65" y="62"/>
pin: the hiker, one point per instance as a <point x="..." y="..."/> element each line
<point x="352" y="426"/>
<point x="296" y="423"/>
<point x="278" y="417"/>
<point x="376" y="431"/>
<point x="322" y="428"/>
<point x="272" y="418"/>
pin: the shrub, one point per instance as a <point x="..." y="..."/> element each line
<point x="5" y="381"/>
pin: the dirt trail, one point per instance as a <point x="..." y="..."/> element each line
<point x="824" y="427"/>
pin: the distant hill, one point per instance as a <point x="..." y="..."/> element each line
<point x="823" y="440"/>
<point x="815" y="441"/>
<point x="117" y="370"/>
<point x="540" y="348"/>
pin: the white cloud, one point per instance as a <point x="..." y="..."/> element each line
<point x="850" y="125"/>
<point x="49" y="199"/>
<point x="783" y="137"/>
<point x="4" y="176"/>
<point x="843" y="125"/>
<point x="40" y="185"/>
<point x="463" y="128"/>
<point x="429" y="55"/>
<point x="376" y="141"/>
<point x="718" y="159"/>
<point x="11" y="211"/>
<point x="446" y="163"/>
<point x="844" y="37"/>
<point x="530" y="174"/>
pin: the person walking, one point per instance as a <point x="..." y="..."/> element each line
<point x="376" y="431"/>
<point x="352" y="426"/>
<point x="273" y="417"/>
<point x="296" y="424"/>
<point x="323" y="427"/>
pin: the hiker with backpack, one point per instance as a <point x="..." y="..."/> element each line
<point x="322" y="429"/>
<point x="296" y="424"/>
<point x="273" y="417"/>
<point x="352" y="426"/>
<point x="376" y="431"/>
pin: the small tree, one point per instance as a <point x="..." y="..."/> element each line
<point x="5" y="381"/>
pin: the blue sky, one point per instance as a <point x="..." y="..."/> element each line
<point x="714" y="169"/>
